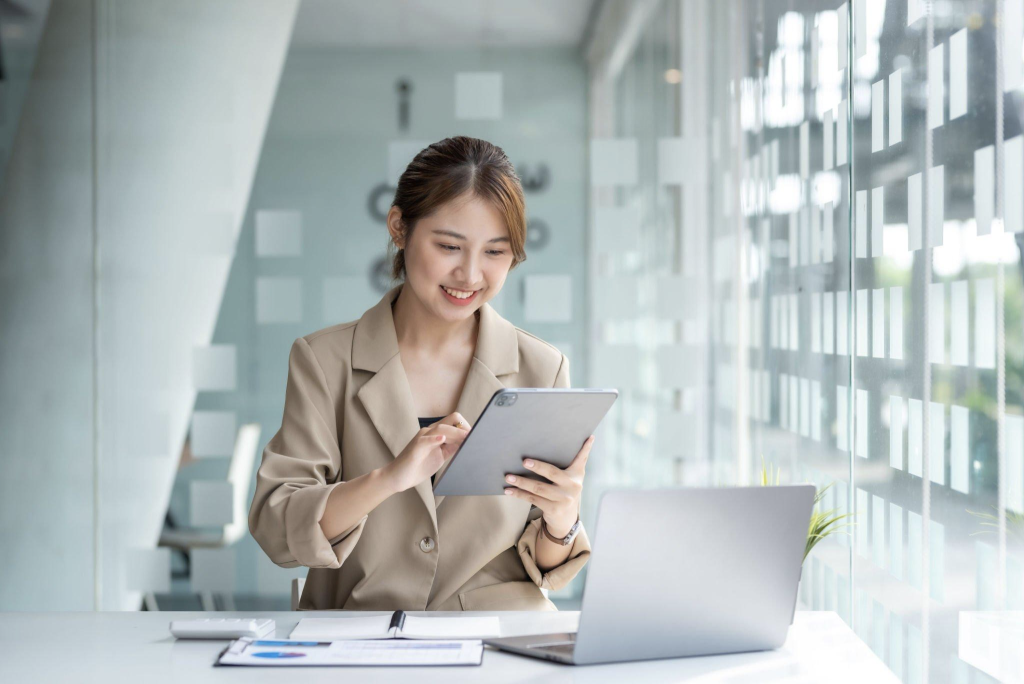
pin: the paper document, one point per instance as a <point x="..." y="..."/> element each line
<point x="398" y="625"/>
<point x="292" y="653"/>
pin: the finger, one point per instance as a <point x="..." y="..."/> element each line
<point x="457" y="420"/>
<point x="431" y="441"/>
<point x="547" y="471"/>
<point x="535" y="500"/>
<point x="541" y="489"/>
<point x="579" y="464"/>
<point x="455" y="435"/>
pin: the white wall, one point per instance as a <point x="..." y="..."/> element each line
<point x="181" y="94"/>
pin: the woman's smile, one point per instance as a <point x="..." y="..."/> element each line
<point x="459" y="297"/>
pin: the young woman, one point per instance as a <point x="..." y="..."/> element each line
<point x="373" y="408"/>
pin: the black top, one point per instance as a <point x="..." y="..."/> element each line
<point x="427" y="422"/>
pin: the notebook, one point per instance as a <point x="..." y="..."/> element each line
<point x="278" y="653"/>
<point x="398" y="625"/>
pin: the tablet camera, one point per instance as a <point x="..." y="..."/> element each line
<point x="506" y="400"/>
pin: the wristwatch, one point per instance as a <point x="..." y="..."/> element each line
<point x="567" y="539"/>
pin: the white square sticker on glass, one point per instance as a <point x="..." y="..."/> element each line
<point x="278" y="233"/>
<point x="478" y="96"/>
<point x="958" y="74"/>
<point x="1015" y="463"/>
<point x="936" y="205"/>
<point x="613" y="161"/>
<point x="346" y="298"/>
<point x="548" y="298"/>
<point x="896" y="107"/>
<point x="959" y="325"/>
<point x="842" y="121"/>
<point x="212" y="570"/>
<point x="1013" y="45"/>
<point x="400" y="153"/>
<point x="862" y="323"/>
<point x="619" y="297"/>
<point x="213" y="433"/>
<point x="211" y="503"/>
<point x="984" y="323"/>
<point x="861" y="225"/>
<point x="616" y="365"/>
<point x="827" y="232"/>
<point x="915" y="436"/>
<point x="878" y="116"/>
<point x="877" y="221"/>
<point x="896" y="424"/>
<point x="896" y="323"/>
<point x="914" y="207"/>
<point x="1013" y="177"/>
<point x="278" y="300"/>
<point x="936" y="87"/>
<point x="937" y="442"/>
<point x="673" y="160"/>
<point x="617" y="229"/>
<point x="959" y="448"/>
<point x="984" y="188"/>
<point x="896" y="541"/>
<point x="861" y="420"/>
<point x="937" y="323"/>
<point x="147" y="570"/>
<point x="878" y="323"/>
<point x="214" y="368"/>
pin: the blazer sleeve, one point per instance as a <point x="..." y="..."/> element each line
<point x="560" y="575"/>
<point x="301" y="466"/>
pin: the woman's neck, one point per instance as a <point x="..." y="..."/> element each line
<point x="417" y="328"/>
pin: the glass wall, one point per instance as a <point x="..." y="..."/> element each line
<point x="805" y="252"/>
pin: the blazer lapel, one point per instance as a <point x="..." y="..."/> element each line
<point x="387" y="396"/>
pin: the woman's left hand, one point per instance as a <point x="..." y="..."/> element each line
<point x="559" y="497"/>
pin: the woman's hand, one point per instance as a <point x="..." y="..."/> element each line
<point x="426" y="452"/>
<point x="559" y="497"/>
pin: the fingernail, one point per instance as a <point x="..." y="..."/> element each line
<point x="509" y="492"/>
<point x="528" y="463"/>
<point x="440" y="437"/>
<point x="510" y="478"/>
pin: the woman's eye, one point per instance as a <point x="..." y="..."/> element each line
<point x="497" y="252"/>
<point x="450" y="248"/>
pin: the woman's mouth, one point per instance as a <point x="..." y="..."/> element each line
<point x="459" y="297"/>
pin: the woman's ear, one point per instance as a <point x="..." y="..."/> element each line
<point x="396" y="228"/>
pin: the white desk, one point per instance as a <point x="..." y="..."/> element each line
<point x="137" y="647"/>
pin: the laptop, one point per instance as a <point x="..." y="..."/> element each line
<point x="685" y="572"/>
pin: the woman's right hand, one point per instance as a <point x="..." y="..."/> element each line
<point x="427" y="451"/>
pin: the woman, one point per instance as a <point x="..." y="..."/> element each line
<point x="345" y="485"/>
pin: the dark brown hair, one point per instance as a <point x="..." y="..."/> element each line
<point x="447" y="170"/>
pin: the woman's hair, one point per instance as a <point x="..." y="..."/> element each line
<point x="449" y="169"/>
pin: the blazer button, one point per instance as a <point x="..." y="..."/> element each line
<point x="426" y="545"/>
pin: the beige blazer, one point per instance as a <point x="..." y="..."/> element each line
<point x="349" y="410"/>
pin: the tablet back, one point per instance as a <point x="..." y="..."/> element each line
<point x="547" y="424"/>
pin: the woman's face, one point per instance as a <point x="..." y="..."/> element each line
<point x="458" y="257"/>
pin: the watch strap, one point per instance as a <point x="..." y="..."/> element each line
<point x="564" y="541"/>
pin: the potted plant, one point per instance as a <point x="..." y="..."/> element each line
<point x="822" y="524"/>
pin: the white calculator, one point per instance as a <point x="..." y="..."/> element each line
<point x="222" y="628"/>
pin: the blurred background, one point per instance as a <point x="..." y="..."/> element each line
<point x="788" y="232"/>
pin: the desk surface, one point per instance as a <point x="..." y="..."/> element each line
<point x="137" y="647"/>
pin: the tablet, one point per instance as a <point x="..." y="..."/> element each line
<point x="547" y="424"/>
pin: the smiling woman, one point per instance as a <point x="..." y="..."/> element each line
<point x="345" y="485"/>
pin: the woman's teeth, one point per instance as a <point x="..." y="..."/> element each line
<point x="458" y="294"/>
